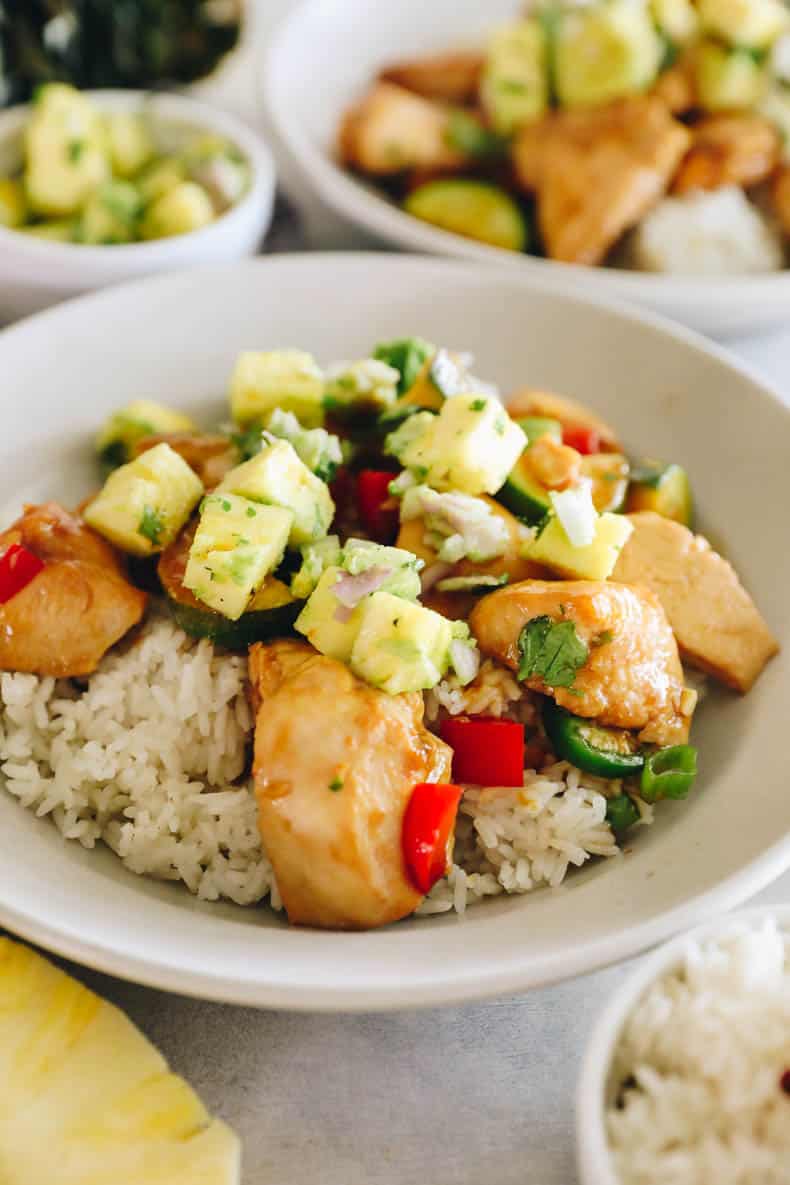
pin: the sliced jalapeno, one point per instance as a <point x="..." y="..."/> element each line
<point x="604" y="752"/>
<point x="669" y="773"/>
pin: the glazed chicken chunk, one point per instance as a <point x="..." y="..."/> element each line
<point x="392" y="129"/>
<point x="729" y="150"/>
<point x="717" y="624"/>
<point x="631" y="678"/>
<point x="451" y="77"/>
<point x="598" y="172"/>
<point x="67" y="618"/>
<point x="334" y="766"/>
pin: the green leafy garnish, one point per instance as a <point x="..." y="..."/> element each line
<point x="336" y="784"/>
<point x="551" y="651"/>
<point x="75" y="150"/>
<point x="602" y="639"/>
<point x="477" y="405"/>
<point x="466" y="134"/>
<point x="151" y="525"/>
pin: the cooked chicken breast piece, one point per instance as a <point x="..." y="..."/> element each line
<point x="392" y="130"/>
<point x="598" y="172"/>
<point x="632" y="677"/>
<point x="717" y="625"/>
<point x="211" y="455"/>
<point x="570" y="413"/>
<point x="335" y="765"/>
<point x="738" y="150"/>
<point x="67" y="618"/>
<point x="449" y="77"/>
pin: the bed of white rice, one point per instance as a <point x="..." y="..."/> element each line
<point x="702" y="1061"/>
<point x="150" y="757"/>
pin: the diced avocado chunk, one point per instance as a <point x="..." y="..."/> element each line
<point x="368" y="385"/>
<point x="324" y="622"/>
<point x="159" y="177"/>
<point x="13" y="203"/>
<point x="129" y="142"/>
<point x="288" y="379"/>
<point x="400" y="646"/>
<point x="321" y="452"/>
<point x="316" y="558"/>
<point x="111" y="214"/>
<point x="237" y="544"/>
<point x="475" y="209"/>
<point x="142" y="417"/>
<point x="514" y="88"/>
<point x="406" y="355"/>
<point x="360" y="555"/>
<point x="596" y="561"/>
<point x="608" y="473"/>
<point x="65" y="151"/>
<point x="676" y="19"/>
<point x="181" y="210"/>
<point x="727" y="78"/>
<point x="470" y="446"/>
<point x="754" y="24"/>
<point x="604" y="52"/>
<point x="664" y="489"/>
<point x="277" y="476"/>
<point x="144" y="504"/>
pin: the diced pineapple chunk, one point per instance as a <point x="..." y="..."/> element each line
<point x="277" y="476"/>
<point x="401" y="646"/>
<point x="129" y="141"/>
<point x="604" y="52"/>
<point x="85" y="1097"/>
<point x="13" y="203"/>
<point x="753" y="24"/>
<point x="515" y="84"/>
<point x="471" y="446"/>
<point x="65" y="151"/>
<point x="367" y="385"/>
<point x="676" y="19"/>
<point x="236" y="545"/>
<point x="727" y="79"/>
<point x="596" y="561"/>
<point x="159" y="177"/>
<point x="288" y="379"/>
<point x="145" y="503"/>
<point x="179" y="211"/>
<point x="142" y="417"/>
<point x="324" y="622"/>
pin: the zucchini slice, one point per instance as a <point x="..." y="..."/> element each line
<point x="522" y="494"/>
<point x="664" y="489"/>
<point x="474" y="209"/>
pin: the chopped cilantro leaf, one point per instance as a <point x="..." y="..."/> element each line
<point x="251" y="512"/>
<point x="75" y="150"/>
<point x="406" y="355"/>
<point x="551" y="651"/>
<point x="225" y="504"/>
<point x="603" y="638"/>
<point x="151" y="525"/>
<point x="477" y="405"/>
<point x="336" y="784"/>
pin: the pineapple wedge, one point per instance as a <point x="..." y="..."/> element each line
<point x="85" y="1099"/>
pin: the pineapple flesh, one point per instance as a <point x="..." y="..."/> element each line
<point x="85" y="1099"/>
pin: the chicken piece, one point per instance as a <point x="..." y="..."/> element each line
<point x="450" y="77"/>
<point x="597" y="172"/>
<point x="66" y="619"/>
<point x="553" y="465"/>
<point x="632" y="677"/>
<point x="569" y="412"/>
<point x="779" y="198"/>
<point x="335" y="764"/>
<point x="676" y="87"/>
<point x="738" y="150"/>
<point x="717" y="625"/>
<point x="392" y="130"/>
<point x="211" y="456"/>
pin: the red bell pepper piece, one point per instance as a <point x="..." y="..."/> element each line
<point x="427" y="825"/>
<point x="585" y="440"/>
<point x="486" y="751"/>
<point x="377" y="508"/>
<point x="18" y="567"/>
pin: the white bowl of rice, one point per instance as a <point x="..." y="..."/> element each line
<point x="686" y="1079"/>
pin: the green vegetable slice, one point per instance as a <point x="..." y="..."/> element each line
<point x="256" y="625"/>
<point x="669" y="773"/>
<point x="603" y="752"/>
<point x="474" y="209"/>
<point x="621" y="813"/>
<point x="407" y="355"/>
<point x="551" y="651"/>
<point x="664" y="489"/>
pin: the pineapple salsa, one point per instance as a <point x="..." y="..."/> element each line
<point x="101" y="178"/>
<point x="432" y="598"/>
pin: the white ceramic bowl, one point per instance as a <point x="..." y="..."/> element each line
<point x="35" y="273"/>
<point x="595" y="1083"/>
<point x="324" y="56"/>
<point x="670" y="394"/>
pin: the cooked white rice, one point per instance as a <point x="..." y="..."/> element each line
<point x="702" y="1059"/>
<point x="150" y="756"/>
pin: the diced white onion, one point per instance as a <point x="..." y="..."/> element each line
<point x="465" y="658"/>
<point x="574" y="508"/>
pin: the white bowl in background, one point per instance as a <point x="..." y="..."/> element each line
<point x="324" y="56"/>
<point x="36" y="273"/>
<point x="595" y="1163"/>
<point x="669" y="393"/>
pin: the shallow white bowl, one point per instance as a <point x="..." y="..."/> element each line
<point x="175" y="339"/>
<point x="595" y="1084"/>
<point x="324" y="56"/>
<point x="36" y="273"/>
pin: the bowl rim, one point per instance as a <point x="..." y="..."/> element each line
<point x="594" y="1159"/>
<point x="177" y="108"/>
<point x="504" y="975"/>
<point x="353" y="199"/>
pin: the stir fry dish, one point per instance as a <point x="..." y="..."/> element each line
<point x="648" y="134"/>
<point x="103" y="178"/>
<point x="382" y="644"/>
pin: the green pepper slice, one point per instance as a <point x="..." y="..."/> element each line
<point x="669" y="773"/>
<point x="603" y="752"/>
<point x="621" y="813"/>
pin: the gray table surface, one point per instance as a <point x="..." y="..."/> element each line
<point x="451" y="1096"/>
